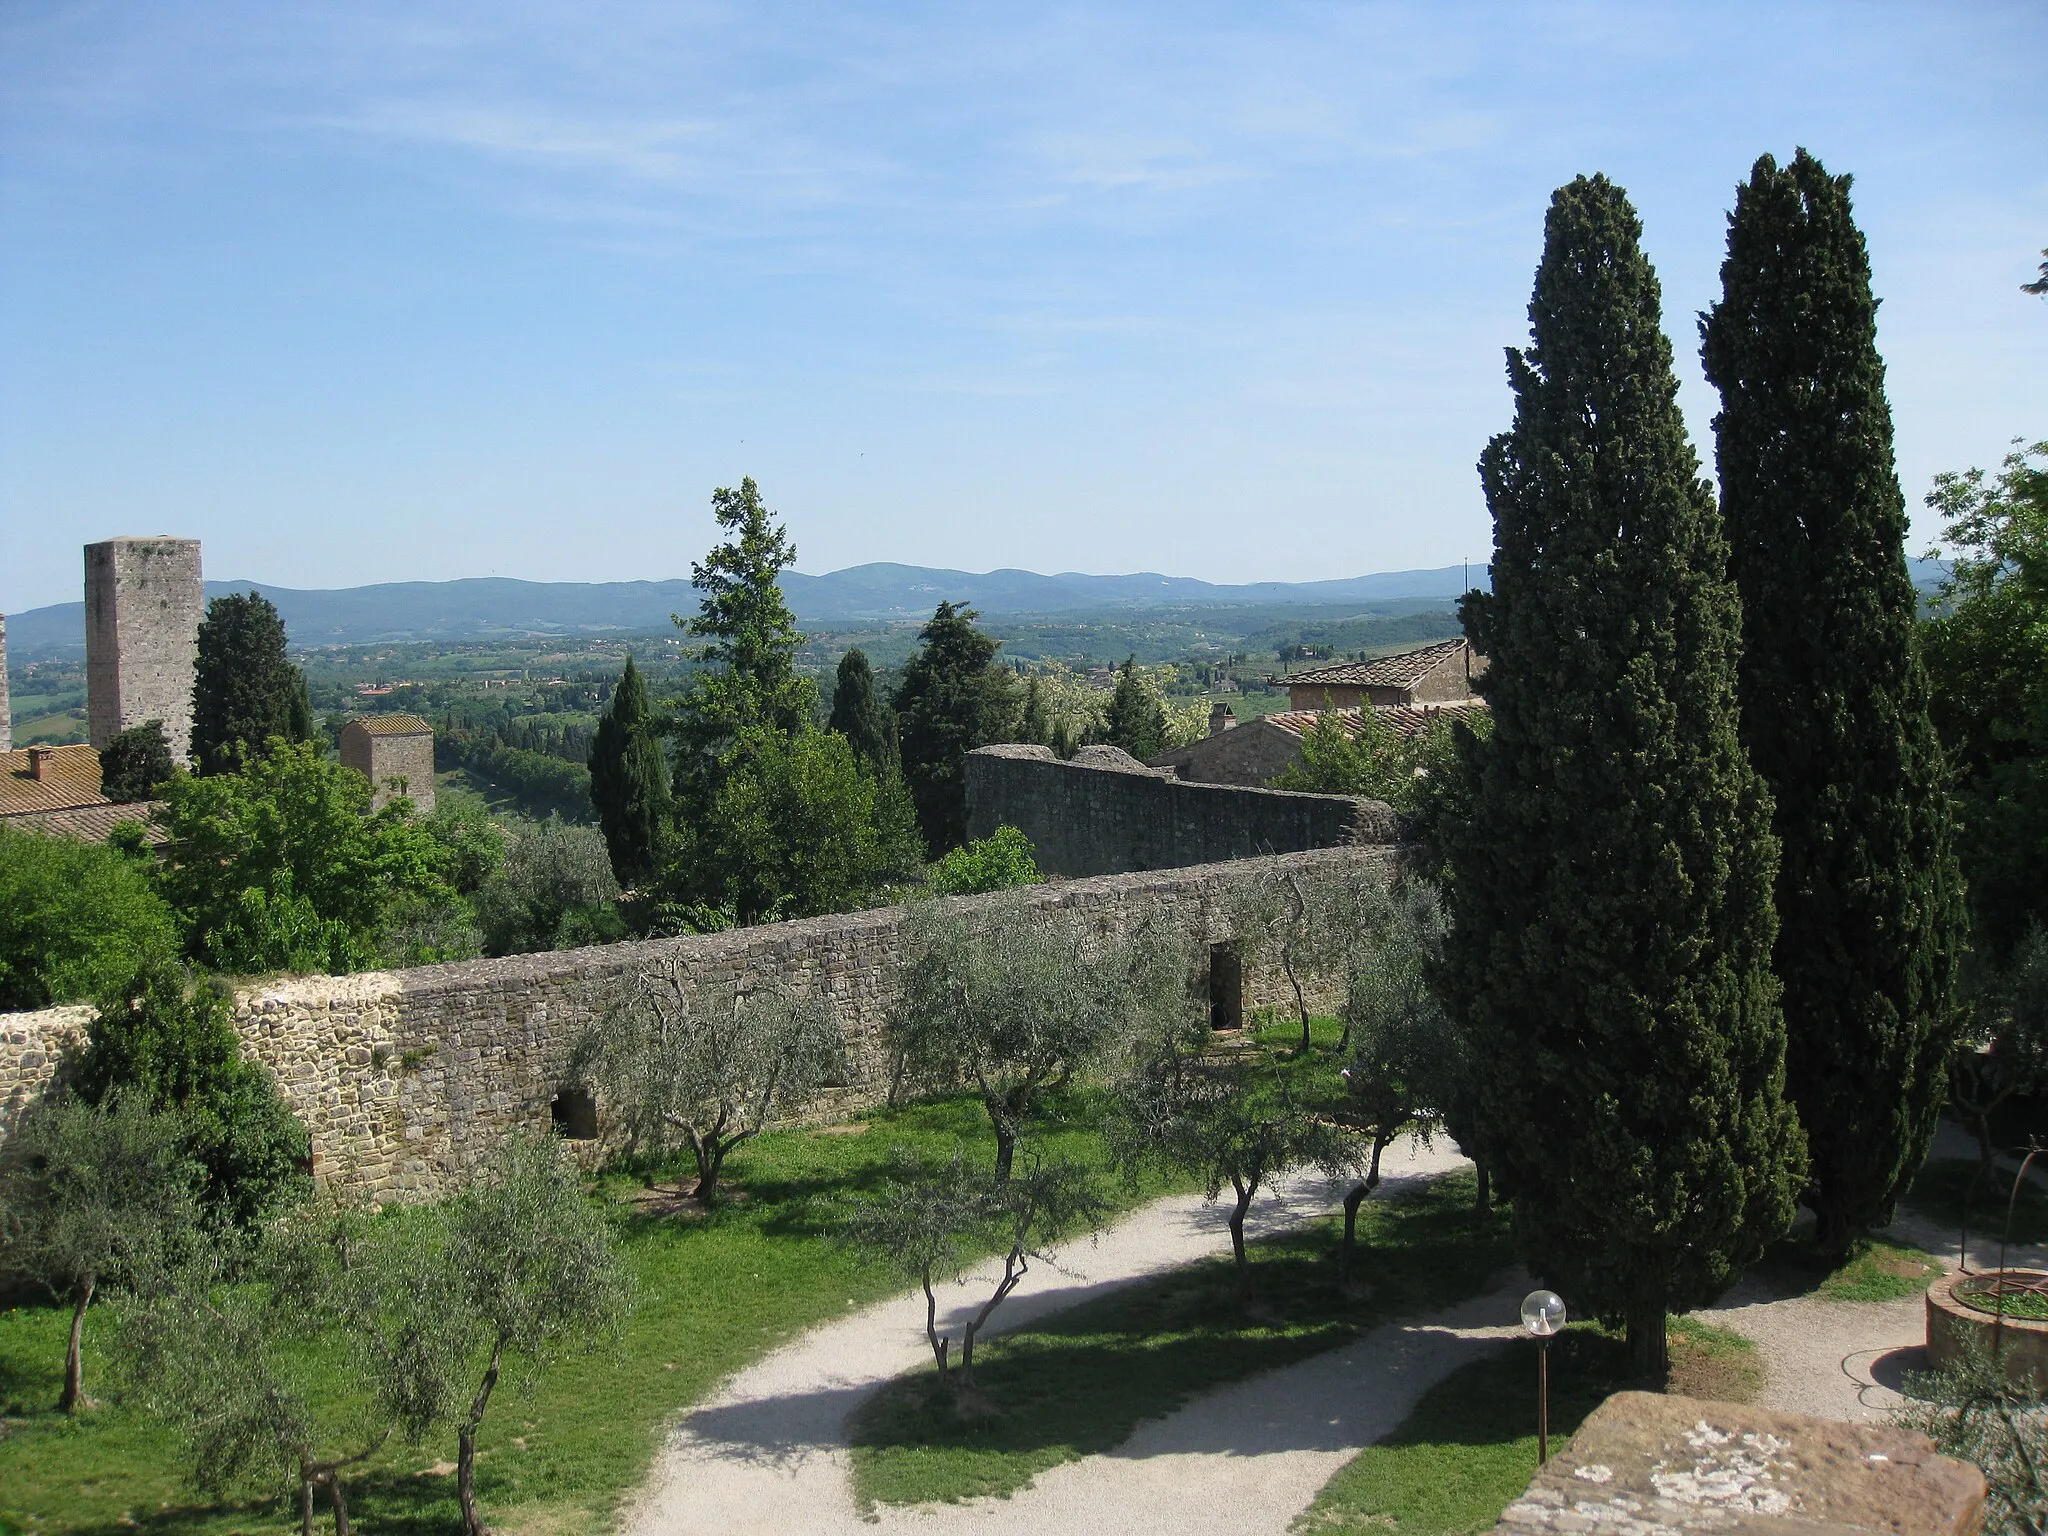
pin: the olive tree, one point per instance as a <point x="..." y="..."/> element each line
<point x="676" y="1070"/>
<point x="1229" y="1117"/>
<point x="2003" y="1050"/>
<point x="1976" y="1410"/>
<point x="930" y="1220"/>
<point x="1012" y="999"/>
<point x="95" y="1196"/>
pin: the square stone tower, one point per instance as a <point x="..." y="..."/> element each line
<point x="6" y="709"/>
<point x="143" y="602"/>
<point x="396" y="754"/>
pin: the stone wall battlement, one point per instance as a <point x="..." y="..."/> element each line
<point x="409" y="1078"/>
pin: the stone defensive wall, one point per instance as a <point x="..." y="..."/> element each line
<point x="1105" y="813"/>
<point x="408" y="1078"/>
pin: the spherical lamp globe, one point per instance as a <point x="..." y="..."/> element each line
<point x="1543" y="1313"/>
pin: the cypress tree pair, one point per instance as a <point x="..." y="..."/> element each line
<point x="1611" y="888"/>
<point x="629" y="782"/>
<point x="244" y="690"/>
<point x="858" y="715"/>
<point x="953" y="698"/>
<point x="1834" y="700"/>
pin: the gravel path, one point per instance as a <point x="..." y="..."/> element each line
<point x="768" y="1453"/>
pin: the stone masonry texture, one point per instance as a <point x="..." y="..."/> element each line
<point x="383" y="758"/>
<point x="143" y="602"/>
<point x="1085" y="820"/>
<point x="408" y="1079"/>
<point x="1644" y="1464"/>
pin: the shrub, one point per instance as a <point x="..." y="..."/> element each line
<point x="554" y="889"/>
<point x="136" y="763"/>
<point x="75" y="919"/>
<point x="999" y="862"/>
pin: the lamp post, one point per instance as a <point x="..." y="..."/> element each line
<point x="1542" y="1315"/>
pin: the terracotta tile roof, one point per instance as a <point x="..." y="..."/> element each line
<point x="1402" y="671"/>
<point x="94" y="823"/>
<point x="70" y="778"/>
<point x="393" y="725"/>
<point x="1407" y="720"/>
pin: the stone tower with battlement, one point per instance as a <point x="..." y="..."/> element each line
<point x="143" y="602"/>
<point x="6" y="710"/>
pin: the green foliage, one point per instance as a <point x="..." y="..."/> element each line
<point x="629" y="781"/>
<point x="280" y="865"/>
<point x="244" y="691"/>
<point x="136" y="763"/>
<point x="2002" y="1053"/>
<point x="75" y="919"/>
<point x="749" y="679"/>
<point x="93" y="1196"/>
<point x="1014" y="1000"/>
<point x="1834" y="698"/>
<point x="171" y="1042"/>
<point x="680" y="1069"/>
<point x="540" y="784"/>
<point x="471" y="846"/>
<point x="1880" y="1272"/>
<point x="554" y="891"/>
<point x="1001" y="861"/>
<point x="1611" y="890"/>
<point x="1136" y="720"/>
<point x="1974" y="1410"/>
<point x="797" y="828"/>
<point x="1355" y="752"/>
<point x="858" y="715"/>
<point x="952" y="699"/>
<point x="1987" y="656"/>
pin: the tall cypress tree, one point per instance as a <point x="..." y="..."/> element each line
<point x="1135" y="720"/>
<point x="1834" y="700"/>
<point x="244" y="691"/>
<point x="953" y="698"/>
<point x="1611" y="887"/>
<point x="858" y="715"/>
<point x="629" y="781"/>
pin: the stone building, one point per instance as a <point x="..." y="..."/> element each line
<point x="396" y="754"/>
<point x="1259" y="750"/>
<point x="143" y="602"/>
<point x="1433" y="674"/>
<point x="6" y="709"/>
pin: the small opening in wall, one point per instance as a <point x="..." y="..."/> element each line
<point x="574" y="1113"/>
<point x="1226" y="988"/>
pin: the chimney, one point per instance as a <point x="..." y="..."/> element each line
<point x="37" y="756"/>
<point x="1221" y="718"/>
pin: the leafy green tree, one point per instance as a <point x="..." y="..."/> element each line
<point x="536" y="1270"/>
<point x="470" y="844"/>
<point x="171" y="1041"/>
<point x="280" y="865"/>
<point x="554" y="891"/>
<point x="1987" y="657"/>
<point x="136" y="763"/>
<point x="244" y="691"/>
<point x="75" y="919"/>
<point x="2003" y="1052"/>
<point x="858" y="713"/>
<point x="931" y="1221"/>
<point x="1230" y="1119"/>
<point x="799" y="828"/>
<point x="1012" y="1001"/>
<point x="1834" y="698"/>
<point x="676" y="1069"/>
<point x="629" y="781"/>
<point x="93" y="1196"/>
<point x="1611" y="890"/>
<point x="1136" y="720"/>
<point x="748" y="678"/>
<point x="1001" y="861"/>
<point x="952" y="699"/>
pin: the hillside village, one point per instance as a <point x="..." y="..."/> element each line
<point x="1553" y="1044"/>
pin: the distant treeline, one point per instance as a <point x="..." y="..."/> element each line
<point x="538" y="760"/>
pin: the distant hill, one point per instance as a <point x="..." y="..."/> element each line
<point x="481" y="607"/>
<point x="484" y="607"/>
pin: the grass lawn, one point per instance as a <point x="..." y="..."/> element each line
<point x="1944" y="1184"/>
<point x="716" y="1292"/>
<point x="1469" y="1448"/>
<point x="1879" y="1272"/>
<point x="1077" y="1383"/>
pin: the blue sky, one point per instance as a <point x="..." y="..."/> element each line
<point x="380" y="291"/>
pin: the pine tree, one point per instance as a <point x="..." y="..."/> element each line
<point x="1834" y="699"/>
<point x="953" y="698"/>
<point x="1135" y="720"/>
<point x="858" y="715"/>
<point x="629" y="781"/>
<point x="244" y="689"/>
<point x="1611" y="888"/>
